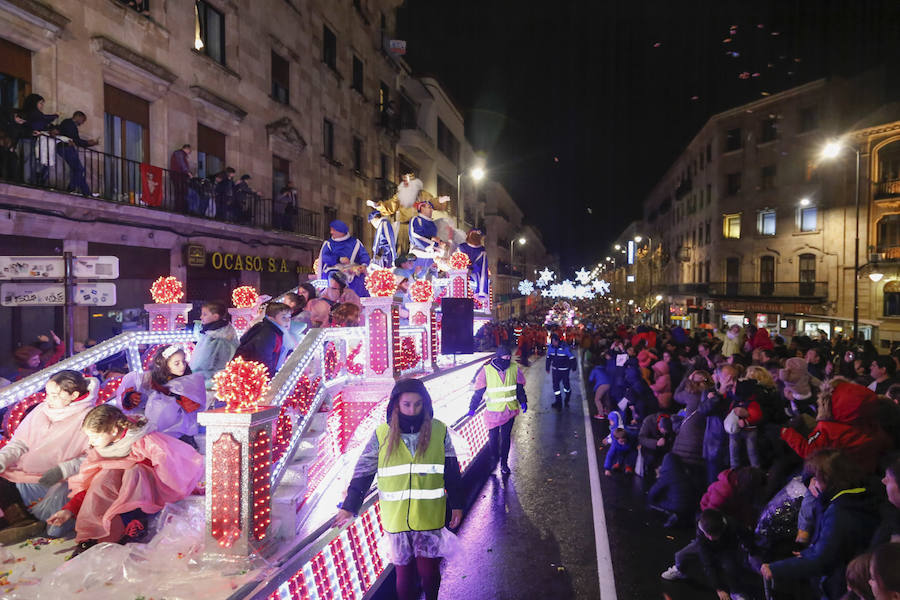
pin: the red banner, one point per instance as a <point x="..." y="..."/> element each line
<point x="151" y="185"/>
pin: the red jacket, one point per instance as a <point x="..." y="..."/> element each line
<point x="866" y="448"/>
<point x="723" y="495"/>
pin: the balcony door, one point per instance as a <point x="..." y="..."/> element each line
<point x="732" y="276"/>
<point x="126" y="143"/>
<point x="766" y="275"/>
<point x="807" y="277"/>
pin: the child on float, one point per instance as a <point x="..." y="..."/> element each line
<point x="45" y="450"/>
<point x="169" y="395"/>
<point x="217" y="341"/>
<point x="413" y="456"/>
<point x="130" y="472"/>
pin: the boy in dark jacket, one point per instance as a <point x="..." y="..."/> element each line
<point x="673" y="493"/>
<point x="264" y="342"/>
<point x="655" y="437"/>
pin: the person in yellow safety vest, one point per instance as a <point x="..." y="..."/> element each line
<point x="502" y="384"/>
<point x="418" y="476"/>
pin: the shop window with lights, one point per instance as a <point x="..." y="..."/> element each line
<point x="209" y="31"/>
<point x="731" y="226"/>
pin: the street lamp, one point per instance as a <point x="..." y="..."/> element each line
<point x="876" y="276"/>
<point x="521" y="241"/>
<point x="477" y="174"/>
<point x="832" y="150"/>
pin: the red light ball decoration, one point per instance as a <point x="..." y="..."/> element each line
<point x="242" y="384"/>
<point x="167" y="290"/>
<point x="380" y="283"/>
<point x="409" y="357"/>
<point x="460" y="260"/>
<point x="421" y="291"/>
<point x="245" y="296"/>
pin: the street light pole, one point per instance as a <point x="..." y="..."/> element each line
<point x="856" y="258"/>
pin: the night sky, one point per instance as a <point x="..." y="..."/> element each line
<point x="584" y="104"/>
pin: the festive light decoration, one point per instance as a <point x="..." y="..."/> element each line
<point x="378" y="356"/>
<point x="546" y="277"/>
<point x="242" y="384"/>
<point x="108" y="390"/>
<point x="460" y="260"/>
<point x="526" y="287"/>
<point x="244" y="296"/>
<point x="395" y="338"/>
<point x="601" y="287"/>
<point x="353" y="367"/>
<point x="260" y="464"/>
<point x="14" y="417"/>
<point x="332" y="364"/>
<point x="380" y="283"/>
<point x="409" y="355"/>
<point x="583" y="276"/>
<point x="225" y="487"/>
<point x="167" y="290"/>
<point x="299" y="401"/>
<point x="421" y="291"/>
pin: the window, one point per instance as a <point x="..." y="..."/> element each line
<point x="766" y="275"/>
<point x="708" y="270"/>
<point x="384" y="166"/>
<point x="331" y="214"/>
<point x="384" y="96"/>
<point x="809" y="119"/>
<point x="358" y="224"/>
<point x="708" y="194"/>
<point x="700" y="235"/>
<point x="707" y="232"/>
<point x="767" y="177"/>
<point x="209" y="31"/>
<point x="445" y="188"/>
<point x="733" y="140"/>
<point x="447" y="142"/>
<point x="892" y="299"/>
<point x="808" y="218"/>
<point x="709" y="153"/>
<point x="766" y="222"/>
<point x="733" y="183"/>
<point x="888" y="232"/>
<point x="281" y="174"/>
<point x="732" y="226"/>
<point x="357" y="75"/>
<point x="702" y="156"/>
<point x="329" y="48"/>
<point x="15" y="74"/>
<point x="769" y="132"/>
<point x="210" y="151"/>
<point x="732" y="276"/>
<point x="281" y="79"/>
<point x="357" y="154"/>
<point x="328" y="139"/>
<point x="807" y="274"/>
<point x="126" y="137"/>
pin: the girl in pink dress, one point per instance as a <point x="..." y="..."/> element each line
<point x="46" y="448"/>
<point x="130" y="472"/>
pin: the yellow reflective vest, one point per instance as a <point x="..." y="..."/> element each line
<point x="411" y="488"/>
<point x="500" y="393"/>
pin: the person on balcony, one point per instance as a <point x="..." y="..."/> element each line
<point x="224" y="191"/>
<point x="35" y="122"/>
<point x="69" y="151"/>
<point x="180" y="172"/>
<point x="346" y="254"/>
<point x="242" y="202"/>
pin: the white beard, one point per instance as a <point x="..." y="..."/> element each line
<point x="408" y="194"/>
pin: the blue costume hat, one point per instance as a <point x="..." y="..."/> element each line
<point x="375" y="214"/>
<point x="339" y="226"/>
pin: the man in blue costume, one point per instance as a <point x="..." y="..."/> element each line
<point x="384" y="247"/>
<point x="423" y="239"/>
<point x="473" y="247"/>
<point x="346" y="254"/>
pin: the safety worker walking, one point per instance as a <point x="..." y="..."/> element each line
<point x="418" y="476"/>
<point x="560" y="361"/>
<point x="502" y="385"/>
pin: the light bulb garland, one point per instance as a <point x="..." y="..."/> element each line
<point x="242" y="384"/>
<point x="245" y="296"/>
<point x="225" y="488"/>
<point x="167" y="290"/>
<point x="353" y="367"/>
<point x="260" y="468"/>
<point x="409" y="355"/>
<point x="380" y="283"/>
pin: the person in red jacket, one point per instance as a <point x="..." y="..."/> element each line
<point x="846" y="421"/>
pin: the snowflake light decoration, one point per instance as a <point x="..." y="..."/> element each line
<point x="545" y="293"/>
<point x="546" y="277"/>
<point x="583" y="276"/>
<point x="526" y="287"/>
<point x="601" y="287"/>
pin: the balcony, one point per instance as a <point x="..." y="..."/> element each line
<point x="684" y="188"/>
<point x="121" y="181"/>
<point x="887" y="189"/>
<point x="781" y="290"/>
<point x="510" y="270"/>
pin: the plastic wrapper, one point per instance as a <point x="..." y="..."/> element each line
<point x="171" y="565"/>
<point x="400" y="548"/>
<point x="778" y="521"/>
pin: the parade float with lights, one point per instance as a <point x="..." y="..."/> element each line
<point x="280" y="452"/>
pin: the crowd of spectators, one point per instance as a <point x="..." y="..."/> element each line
<point x="779" y="453"/>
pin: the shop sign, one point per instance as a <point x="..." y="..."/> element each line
<point x="766" y="307"/>
<point x="196" y="255"/>
<point x="246" y="262"/>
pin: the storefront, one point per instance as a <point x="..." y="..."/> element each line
<point x="213" y="273"/>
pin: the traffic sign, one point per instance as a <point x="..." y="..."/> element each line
<point x="54" y="294"/>
<point x="54" y="267"/>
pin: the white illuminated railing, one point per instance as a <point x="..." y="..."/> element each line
<point x="129" y="342"/>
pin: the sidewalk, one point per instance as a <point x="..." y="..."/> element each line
<point x="530" y="535"/>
